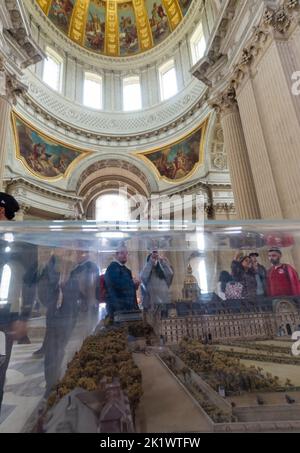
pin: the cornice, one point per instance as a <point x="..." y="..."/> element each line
<point x="18" y="182"/>
<point x="17" y="50"/>
<point x="276" y="22"/>
<point x="213" y="51"/>
<point x="207" y="187"/>
<point x="113" y="128"/>
<point x="85" y="56"/>
<point x="18" y="36"/>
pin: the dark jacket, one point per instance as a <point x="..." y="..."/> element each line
<point x="78" y="291"/>
<point x="247" y="279"/>
<point x="120" y="289"/>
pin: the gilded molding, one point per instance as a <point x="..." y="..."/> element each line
<point x="82" y="153"/>
<point x="78" y="21"/>
<point x="174" y="12"/>
<point x="84" y="55"/>
<point x="112" y="44"/>
<point x="112" y="29"/>
<point x="45" y="5"/>
<point x="143" y="26"/>
<point x="143" y="155"/>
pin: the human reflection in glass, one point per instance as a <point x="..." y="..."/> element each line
<point x="67" y="289"/>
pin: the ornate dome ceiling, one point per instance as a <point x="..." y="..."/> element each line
<point x="116" y="27"/>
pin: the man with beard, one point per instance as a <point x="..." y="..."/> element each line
<point x="156" y="278"/>
<point x="68" y="291"/>
<point x="282" y="279"/>
<point x="120" y="286"/>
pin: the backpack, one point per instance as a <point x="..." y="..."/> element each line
<point x="233" y="290"/>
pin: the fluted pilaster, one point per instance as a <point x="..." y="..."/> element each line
<point x="5" y="110"/>
<point x="263" y="178"/>
<point x="10" y="88"/>
<point x="270" y="112"/>
<point x="281" y="129"/>
<point x="283" y="23"/>
<point x="238" y="161"/>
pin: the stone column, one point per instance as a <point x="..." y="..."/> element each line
<point x="270" y="112"/>
<point x="5" y="111"/>
<point x="24" y="208"/>
<point x="238" y="161"/>
<point x="283" y="24"/>
<point x="9" y="89"/>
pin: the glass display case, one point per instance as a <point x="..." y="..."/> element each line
<point x="138" y="327"/>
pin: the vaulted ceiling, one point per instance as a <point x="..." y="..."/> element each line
<point x="116" y="27"/>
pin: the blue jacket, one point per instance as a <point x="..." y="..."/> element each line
<point x="120" y="289"/>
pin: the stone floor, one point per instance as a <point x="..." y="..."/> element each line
<point x="25" y="383"/>
<point x="24" y="387"/>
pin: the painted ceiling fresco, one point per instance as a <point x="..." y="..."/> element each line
<point x="179" y="160"/>
<point x="43" y="156"/>
<point x="116" y="27"/>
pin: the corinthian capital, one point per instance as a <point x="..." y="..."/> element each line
<point x="292" y="4"/>
<point x="225" y="102"/>
<point x="281" y="19"/>
<point x="10" y="86"/>
<point x="14" y="88"/>
<point x="24" y="208"/>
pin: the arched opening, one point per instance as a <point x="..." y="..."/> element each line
<point x="112" y="207"/>
<point x="113" y="177"/>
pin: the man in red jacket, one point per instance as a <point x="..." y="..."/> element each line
<point x="282" y="279"/>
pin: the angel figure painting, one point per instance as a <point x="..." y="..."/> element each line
<point x="178" y="160"/>
<point x="42" y="155"/>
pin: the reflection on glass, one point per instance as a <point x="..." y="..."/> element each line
<point x="5" y="282"/>
<point x="78" y="366"/>
<point x="202" y="276"/>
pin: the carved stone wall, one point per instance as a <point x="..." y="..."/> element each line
<point x="252" y="64"/>
<point x="112" y="135"/>
<point x="218" y="152"/>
